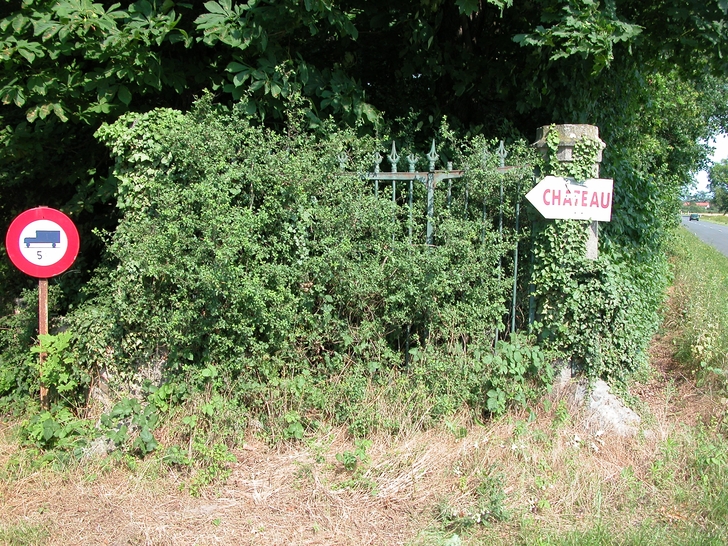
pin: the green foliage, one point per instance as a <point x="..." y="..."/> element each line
<point x="19" y="368"/>
<point x="651" y="156"/>
<point x="121" y="53"/>
<point x="508" y="371"/>
<point x="584" y="28"/>
<point x="58" y="370"/>
<point x="645" y="72"/>
<point x="245" y="256"/>
<point x="601" y="313"/>
<point x="81" y="60"/>
<point x="205" y="458"/>
<point x="356" y="463"/>
<point x="207" y="465"/>
<point x="293" y="282"/>
<point x="57" y="429"/>
<point x="129" y="426"/>
<point x="484" y="504"/>
<point x="718" y="178"/>
<point x="212" y="466"/>
<point x="17" y="332"/>
<point x="353" y="461"/>
<point x="491" y="496"/>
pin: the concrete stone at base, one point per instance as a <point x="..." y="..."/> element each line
<point x="563" y="376"/>
<point x="98" y="448"/>
<point x="592" y="241"/>
<point x="606" y="410"/>
<point x="603" y="410"/>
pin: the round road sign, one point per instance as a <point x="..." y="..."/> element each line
<point x="42" y="242"/>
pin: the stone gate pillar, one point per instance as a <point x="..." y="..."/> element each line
<point x="568" y="136"/>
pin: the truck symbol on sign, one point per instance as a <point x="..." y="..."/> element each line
<point x="44" y="237"/>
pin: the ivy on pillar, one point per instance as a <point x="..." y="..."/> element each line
<point x="577" y="154"/>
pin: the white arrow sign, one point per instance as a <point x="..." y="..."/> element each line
<point x="562" y="198"/>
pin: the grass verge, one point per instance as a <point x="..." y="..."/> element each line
<point x="698" y="313"/>
<point x="717" y="218"/>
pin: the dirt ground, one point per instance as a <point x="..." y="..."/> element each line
<point x="298" y="494"/>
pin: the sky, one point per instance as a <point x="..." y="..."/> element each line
<point x="721" y="152"/>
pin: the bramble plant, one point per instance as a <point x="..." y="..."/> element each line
<point x="353" y="461"/>
<point x="130" y="426"/>
<point x="19" y="365"/>
<point x="57" y="429"/>
<point x="248" y="266"/>
<point x="57" y="368"/>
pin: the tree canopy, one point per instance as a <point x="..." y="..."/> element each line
<point x="78" y="60"/>
<point x="718" y="180"/>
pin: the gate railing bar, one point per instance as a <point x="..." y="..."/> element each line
<point x="429" y="178"/>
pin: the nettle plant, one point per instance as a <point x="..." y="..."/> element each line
<point x="599" y="313"/>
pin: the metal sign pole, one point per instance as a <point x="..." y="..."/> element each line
<point x="43" y="330"/>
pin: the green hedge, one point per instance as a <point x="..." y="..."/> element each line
<point x="245" y="259"/>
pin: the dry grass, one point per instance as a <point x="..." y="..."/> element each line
<point x="557" y="473"/>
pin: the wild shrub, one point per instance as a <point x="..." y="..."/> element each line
<point x="251" y="253"/>
<point x="19" y="367"/>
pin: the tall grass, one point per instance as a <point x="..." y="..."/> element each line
<point x="717" y="218"/>
<point x="698" y="310"/>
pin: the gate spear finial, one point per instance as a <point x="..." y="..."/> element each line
<point x="393" y="158"/>
<point x="432" y="156"/>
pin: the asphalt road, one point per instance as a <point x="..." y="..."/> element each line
<point x="715" y="235"/>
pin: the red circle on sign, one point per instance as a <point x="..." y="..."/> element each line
<point x="21" y="261"/>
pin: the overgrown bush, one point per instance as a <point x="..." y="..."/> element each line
<point x="19" y="368"/>
<point x="247" y="261"/>
<point x="250" y="253"/>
